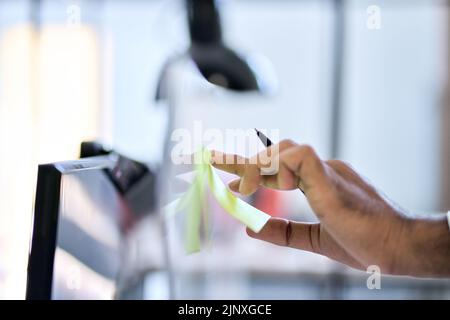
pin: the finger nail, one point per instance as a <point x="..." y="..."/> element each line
<point x="250" y="233"/>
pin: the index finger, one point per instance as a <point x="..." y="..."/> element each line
<point x="231" y="163"/>
<point x="235" y="164"/>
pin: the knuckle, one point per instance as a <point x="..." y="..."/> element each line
<point x="340" y="165"/>
<point x="345" y="164"/>
<point x="285" y="143"/>
<point x="307" y="150"/>
<point x="288" y="234"/>
<point x="337" y="163"/>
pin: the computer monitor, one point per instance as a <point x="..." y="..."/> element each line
<point x="94" y="232"/>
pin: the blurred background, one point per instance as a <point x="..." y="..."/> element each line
<point x="372" y="92"/>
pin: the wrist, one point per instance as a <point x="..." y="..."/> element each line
<point x="427" y="247"/>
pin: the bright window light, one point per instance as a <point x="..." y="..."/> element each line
<point x="49" y="103"/>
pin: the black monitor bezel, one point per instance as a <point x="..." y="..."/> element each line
<point x="45" y="221"/>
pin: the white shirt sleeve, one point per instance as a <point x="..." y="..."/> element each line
<point x="448" y="219"/>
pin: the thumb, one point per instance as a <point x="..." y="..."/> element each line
<point x="282" y="232"/>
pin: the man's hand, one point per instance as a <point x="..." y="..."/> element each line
<point x="358" y="226"/>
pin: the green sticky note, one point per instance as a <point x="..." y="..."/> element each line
<point x="193" y="200"/>
<point x="253" y="218"/>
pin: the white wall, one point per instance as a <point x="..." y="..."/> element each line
<point x="393" y="98"/>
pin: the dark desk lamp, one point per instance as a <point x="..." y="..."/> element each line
<point x="217" y="63"/>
